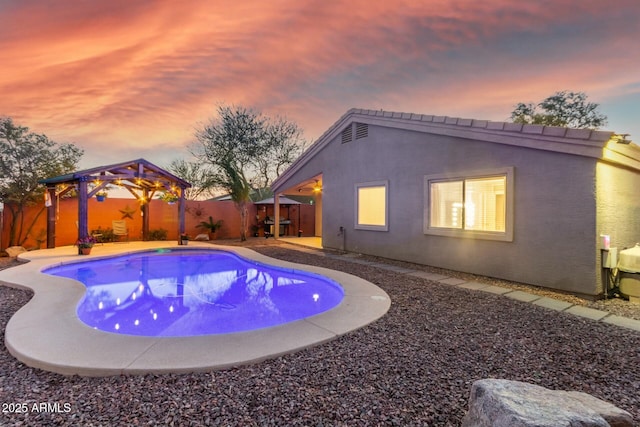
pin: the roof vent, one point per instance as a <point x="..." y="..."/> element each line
<point x="362" y="130"/>
<point x="347" y="135"/>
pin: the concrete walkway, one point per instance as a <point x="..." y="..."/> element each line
<point x="549" y="303"/>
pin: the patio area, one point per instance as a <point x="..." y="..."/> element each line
<point x="414" y="366"/>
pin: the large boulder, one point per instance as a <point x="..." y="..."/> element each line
<point x="504" y="403"/>
<point x="14" y="251"/>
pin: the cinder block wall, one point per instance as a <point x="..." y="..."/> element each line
<point x="161" y="215"/>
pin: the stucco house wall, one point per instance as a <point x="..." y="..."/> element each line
<point x="557" y="212"/>
<point x="618" y="205"/>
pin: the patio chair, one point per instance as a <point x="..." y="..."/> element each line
<point x="120" y="228"/>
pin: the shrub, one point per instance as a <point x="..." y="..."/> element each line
<point x="159" y="234"/>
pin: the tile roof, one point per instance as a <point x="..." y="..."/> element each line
<point x="585" y="142"/>
<point x="562" y="132"/>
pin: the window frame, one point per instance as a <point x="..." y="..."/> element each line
<point x="505" y="236"/>
<point x="357" y="187"/>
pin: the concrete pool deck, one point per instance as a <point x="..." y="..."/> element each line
<point x="46" y="333"/>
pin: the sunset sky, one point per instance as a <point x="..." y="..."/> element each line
<point x="127" y="79"/>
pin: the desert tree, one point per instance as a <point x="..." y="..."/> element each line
<point x="244" y="151"/>
<point x="25" y="159"/>
<point x="564" y="108"/>
<point x="194" y="173"/>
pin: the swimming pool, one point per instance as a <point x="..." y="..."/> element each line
<point x="48" y="334"/>
<point x="173" y="293"/>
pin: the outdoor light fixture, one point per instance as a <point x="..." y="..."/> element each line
<point x="317" y="187"/>
<point x="621" y="138"/>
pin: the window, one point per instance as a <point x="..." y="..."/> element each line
<point x="371" y="206"/>
<point x="477" y="205"/>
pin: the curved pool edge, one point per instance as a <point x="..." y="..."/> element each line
<point x="47" y="334"/>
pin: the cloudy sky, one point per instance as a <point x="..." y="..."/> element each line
<point x="126" y="79"/>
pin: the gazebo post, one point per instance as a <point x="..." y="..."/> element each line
<point x="276" y="216"/>
<point x="82" y="208"/>
<point x="181" y="210"/>
<point x="144" y="208"/>
<point x="52" y="207"/>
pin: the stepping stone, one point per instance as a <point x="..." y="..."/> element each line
<point x="589" y="313"/>
<point x="495" y="290"/>
<point x="360" y="261"/>
<point x="522" y="296"/>
<point x="452" y="281"/>
<point x="428" y="276"/>
<point x="398" y="269"/>
<point x="623" y="321"/>
<point x="475" y="286"/>
<point x="553" y="304"/>
<point x="350" y="255"/>
<point x="389" y="267"/>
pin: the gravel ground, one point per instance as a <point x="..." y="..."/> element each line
<point x="415" y="366"/>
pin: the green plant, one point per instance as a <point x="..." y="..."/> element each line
<point x="159" y="234"/>
<point x="211" y="226"/>
<point x="86" y="242"/>
<point x="107" y="235"/>
<point x="168" y="197"/>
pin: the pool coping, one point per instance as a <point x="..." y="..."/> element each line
<point x="47" y="334"/>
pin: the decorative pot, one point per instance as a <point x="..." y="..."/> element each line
<point x="100" y="198"/>
<point x="85" y="251"/>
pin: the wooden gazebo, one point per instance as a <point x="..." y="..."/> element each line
<point x="140" y="177"/>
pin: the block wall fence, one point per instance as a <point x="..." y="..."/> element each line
<point x="161" y="216"/>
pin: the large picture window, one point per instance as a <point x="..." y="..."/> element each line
<point x="371" y="206"/>
<point x="475" y="205"/>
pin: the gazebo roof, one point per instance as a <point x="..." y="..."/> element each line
<point x="134" y="175"/>
<point x="283" y="201"/>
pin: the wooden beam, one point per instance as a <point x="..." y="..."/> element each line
<point x="181" y="210"/>
<point x="51" y="217"/>
<point x="144" y="208"/>
<point x="83" y="216"/>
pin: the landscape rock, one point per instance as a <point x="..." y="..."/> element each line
<point x="14" y="251"/>
<point x="413" y="367"/>
<point x="504" y="403"/>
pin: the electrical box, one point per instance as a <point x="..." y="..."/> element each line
<point x="609" y="258"/>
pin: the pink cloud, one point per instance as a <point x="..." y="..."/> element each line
<point x="148" y="72"/>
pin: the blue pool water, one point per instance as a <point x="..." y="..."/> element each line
<point x="169" y="293"/>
